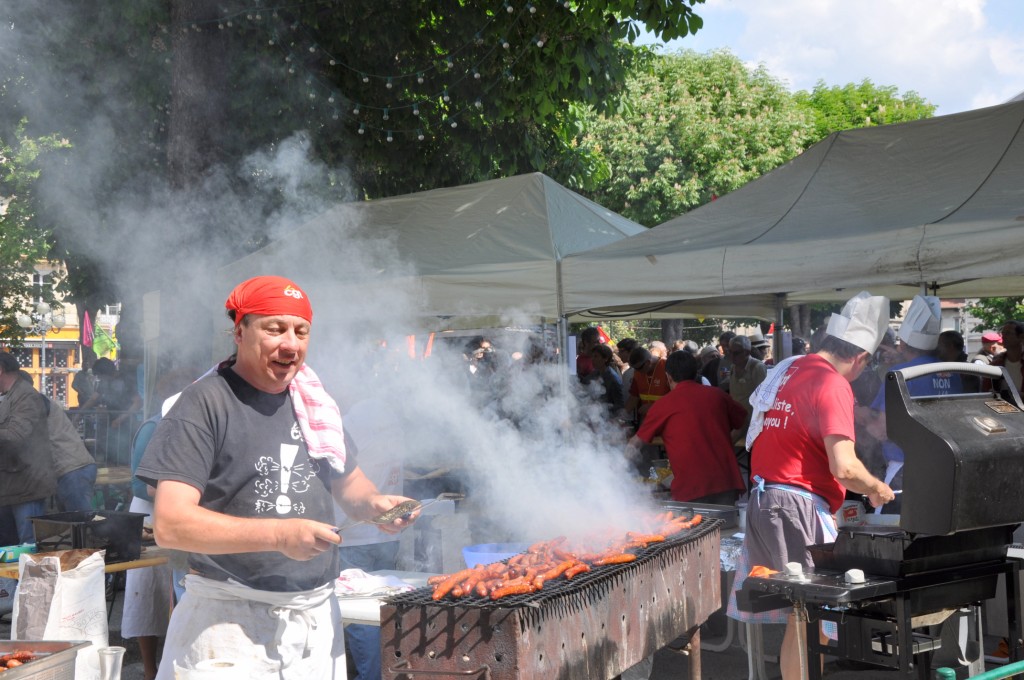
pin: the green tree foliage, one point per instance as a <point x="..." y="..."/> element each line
<point x="491" y="86"/>
<point x="696" y="126"/>
<point x="854" y="106"/>
<point x="992" y="313"/>
<point x="24" y="240"/>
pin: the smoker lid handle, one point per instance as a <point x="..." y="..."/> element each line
<point x="994" y="372"/>
<point x="951" y="367"/>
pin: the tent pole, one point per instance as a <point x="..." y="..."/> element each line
<point x="564" y="360"/>
<point x="568" y="362"/>
<point x="780" y="315"/>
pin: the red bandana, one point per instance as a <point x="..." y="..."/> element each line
<point x="269" y="296"/>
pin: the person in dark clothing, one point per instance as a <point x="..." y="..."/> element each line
<point x="606" y="374"/>
<point x="27" y="476"/>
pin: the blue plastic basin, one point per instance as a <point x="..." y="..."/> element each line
<point x="486" y="553"/>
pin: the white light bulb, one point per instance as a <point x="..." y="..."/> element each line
<point x="390" y="136"/>
<point x="355" y="111"/>
<point x="416" y="110"/>
<point x="362" y="129"/>
<point x="454" y="124"/>
<point x="419" y="136"/>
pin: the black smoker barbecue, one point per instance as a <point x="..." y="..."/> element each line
<point x="595" y="626"/>
<point x="886" y="588"/>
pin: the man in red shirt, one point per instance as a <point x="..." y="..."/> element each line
<point x="803" y="458"/>
<point x="695" y="422"/>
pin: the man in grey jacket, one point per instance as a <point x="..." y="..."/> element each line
<point x="27" y="476"/>
<point x="73" y="465"/>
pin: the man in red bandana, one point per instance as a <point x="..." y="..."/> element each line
<point x="247" y="465"/>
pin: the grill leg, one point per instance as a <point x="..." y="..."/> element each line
<point x="1013" y="609"/>
<point x="695" y="655"/>
<point x="800" y="612"/>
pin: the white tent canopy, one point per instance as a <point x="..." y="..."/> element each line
<point x="936" y="204"/>
<point x="473" y="251"/>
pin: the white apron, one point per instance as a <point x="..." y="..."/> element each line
<point x="285" y="636"/>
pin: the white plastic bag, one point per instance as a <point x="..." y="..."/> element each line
<point x="63" y="598"/>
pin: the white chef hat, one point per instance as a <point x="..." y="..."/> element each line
<point x="922" y="323"/>
<point x="862" y="322"/>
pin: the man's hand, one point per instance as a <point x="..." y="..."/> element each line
<point x="382" y="503"/>
<point x="884" y="494"/>
<point x="851" y="473"/>
<point x="304" y="539"/>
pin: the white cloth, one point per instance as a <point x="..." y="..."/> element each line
<point x="285" y="636"/>
<point x="147" y="593"/>
<point x="764" y="396"/>
<point x="358" y="583"/>
<point x="862" y="322"/>
<point x="922" y="323"/>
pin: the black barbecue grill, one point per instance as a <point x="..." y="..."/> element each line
<point x="594" y="626"/>
<point x="886" y="587"/>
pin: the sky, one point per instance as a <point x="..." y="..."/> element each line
<point x="957" y="54"/>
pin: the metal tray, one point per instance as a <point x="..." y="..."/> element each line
<point x="56" y="659"/>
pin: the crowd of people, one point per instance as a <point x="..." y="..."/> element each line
<point x="798" y="436"/>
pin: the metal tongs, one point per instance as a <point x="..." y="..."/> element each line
<point x="403" y="510"/>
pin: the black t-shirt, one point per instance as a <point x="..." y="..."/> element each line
<point x="243" y="450"/>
